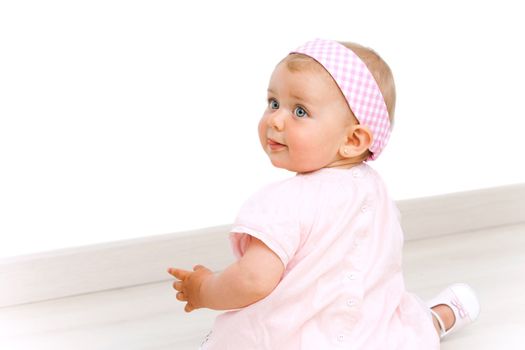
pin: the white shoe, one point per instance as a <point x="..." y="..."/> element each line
<point x="462" y="299"/>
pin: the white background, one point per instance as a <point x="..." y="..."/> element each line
<point x="122" y="119"/>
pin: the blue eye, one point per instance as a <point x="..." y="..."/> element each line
<point x="300" y="112"/>
<point x="273" y="103"/>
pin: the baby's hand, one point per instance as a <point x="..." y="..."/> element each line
<point x="189" y="285"/>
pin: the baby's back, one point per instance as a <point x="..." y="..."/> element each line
<point x="338" y="234"/>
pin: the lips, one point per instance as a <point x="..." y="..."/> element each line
<point x="274" y="145"/>
<point x="273" y="142"/>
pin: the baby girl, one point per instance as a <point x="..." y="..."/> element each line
<point x="319" y="254"/>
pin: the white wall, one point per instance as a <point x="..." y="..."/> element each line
<point x="121" y="119"/>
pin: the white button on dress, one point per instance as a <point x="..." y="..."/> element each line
<point x="350" y="303"/>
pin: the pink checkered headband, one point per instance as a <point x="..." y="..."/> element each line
<point x="357" y="85"/>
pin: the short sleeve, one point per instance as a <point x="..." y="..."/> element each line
<point x="273" y="216"/>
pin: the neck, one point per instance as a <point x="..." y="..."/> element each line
<point x="346" y="163"/>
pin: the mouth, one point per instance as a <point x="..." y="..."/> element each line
<point x="274" y="145"/>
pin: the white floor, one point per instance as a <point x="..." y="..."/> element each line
<point x="149" y="317"/>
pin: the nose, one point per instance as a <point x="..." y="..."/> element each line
<point x="276" y="120"/>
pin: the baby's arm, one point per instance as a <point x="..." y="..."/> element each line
<point x="250" y="279"/>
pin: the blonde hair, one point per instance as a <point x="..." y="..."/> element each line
<point x="375" y="64"/>
<point x="381" y="73"/>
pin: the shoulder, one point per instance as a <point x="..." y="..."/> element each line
<point x="277" y="204"/>
<point x="280" y="192"/>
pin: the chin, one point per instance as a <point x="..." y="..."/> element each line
<point x="277" y="164"/>
<point x="280" y="165"/>
<point x="291" y="168"/>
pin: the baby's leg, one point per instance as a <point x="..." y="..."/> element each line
<point x="454" y="308"/>
<point x="446" y="314"/>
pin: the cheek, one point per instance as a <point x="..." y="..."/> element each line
<point x="303" y="145"/>
<point x="313" y="147"/>
<point x="261" y="128"/>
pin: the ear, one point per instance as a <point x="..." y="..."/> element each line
<point x="358" y="139"/>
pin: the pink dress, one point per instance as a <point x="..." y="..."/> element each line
<point x="338" y="235"/>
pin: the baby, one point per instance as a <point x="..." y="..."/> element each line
<point x="319" y="254"/>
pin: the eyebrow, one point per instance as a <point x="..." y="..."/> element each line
<point x="292" y="95"/>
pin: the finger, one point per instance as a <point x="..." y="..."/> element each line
<point x="188" y="308"/>
<point x="180" y="296"/>
<point x="172" y="271"/>
<point x="178" y="273"/>
<point x="177" y="285"/>
<point x="198" y="267"/>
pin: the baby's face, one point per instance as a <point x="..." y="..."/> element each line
<point x="306" y="120"/>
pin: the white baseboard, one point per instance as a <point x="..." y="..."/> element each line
<point x="89" y="269"/>
<point x="462" y="211"/>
